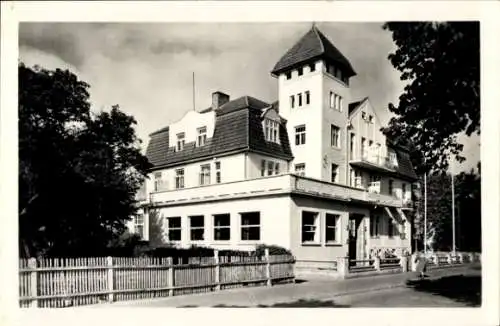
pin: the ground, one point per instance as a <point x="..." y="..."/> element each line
<point x="451" y="287"/>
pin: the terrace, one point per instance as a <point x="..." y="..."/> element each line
<point x="272" y="185"/>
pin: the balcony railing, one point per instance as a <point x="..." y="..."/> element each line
<point x="378" y="160"/>
<point x="280" y="184"/>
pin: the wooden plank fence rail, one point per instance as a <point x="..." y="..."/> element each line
<point x="57" y="282"/>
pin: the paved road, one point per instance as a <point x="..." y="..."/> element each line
<point x="453" y="287"/>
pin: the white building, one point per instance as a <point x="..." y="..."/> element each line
<point x="310" y="172"/>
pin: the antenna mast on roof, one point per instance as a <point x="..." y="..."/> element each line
<point x="194" y="103"/>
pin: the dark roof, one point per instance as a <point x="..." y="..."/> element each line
<point x="313" y="45"/>
<point x="238" y="128"/>
<point x="354" y="105"/>
<point x="405" y="168"/>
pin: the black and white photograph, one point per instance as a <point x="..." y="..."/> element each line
<point x="268" y="164"/>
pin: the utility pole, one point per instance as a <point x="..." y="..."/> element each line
<point x="194" y="103"/>
<point x="425" y="214"/>
<point x="453" y="207"/>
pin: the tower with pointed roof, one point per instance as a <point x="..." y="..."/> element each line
<point x="313" y="78"/>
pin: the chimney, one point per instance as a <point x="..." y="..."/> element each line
<point x="219" y="99"/>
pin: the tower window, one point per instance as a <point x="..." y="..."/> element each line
<point x="308" y="97"/>
<point x="301" y="71"/>
<point x="300" y="98"/>
<point x="289" y="75"/>
<point x="335" y="136"/>
<point x="312" y="67"/>
<point x="292" y="101"/>
<point x="300" y="135"/>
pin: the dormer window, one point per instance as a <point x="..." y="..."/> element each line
<point x="181" y="139"/>
<point x="202" y="136"/>
<point x="271" y="130"/>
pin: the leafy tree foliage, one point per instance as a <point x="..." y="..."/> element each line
<point x="440" y="64"/>
<point x="78" y="171"/>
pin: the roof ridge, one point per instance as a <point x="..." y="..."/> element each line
<point x="316" y="31"/>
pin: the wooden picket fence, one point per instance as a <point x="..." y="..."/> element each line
<point x="57" y="282"/>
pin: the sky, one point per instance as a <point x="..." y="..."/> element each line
<point x="147" y="68"/>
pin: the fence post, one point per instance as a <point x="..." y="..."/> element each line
<point x="217" y="270"/>
<point x="33" y="282"/>
<point x="170" y="276"/>
<point x="450" y="259"/>
<point x="110" y="279"/>
<point x="436" y="260"/>
<point x="268" y="267"/>
<point x="404" y="263"/>
<point x="460" y="258"/>
<point x="343" y="266"/>
<point x="471" y="257"/>
<point x="376" y="263"/>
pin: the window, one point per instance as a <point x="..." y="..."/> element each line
<point x="308" y="97"/>
<point x="356" y="179"/>
<point x="289" y="75"/>
<point x="391" y="187"/>
<point x="271" y="128"/>
<point x="158" y="181"/>
<point x="310" y="223"/>
<point x="363" y="146"/>
<point x="403" y="190"/>
<point x="337" y="102"/>
<point x="374" y="222"/>
<point x="262" y="168"/>
<point x="363" y="115"/>
<point x="217" y="172"/>
<point x="202" y="136"/>
<point x="174" y="228"/>
<point x="331" y="228"/>
<point x="335" y="136"/>
<point x="300" y="169"/>
<point x="180" y="141"/>
<point x="301" y="71"/>
<point x="300" y="135"/>
<point x="250" y="226"/>
<point x="370" y="118"/>
<point x="270" y="167"/>
<point x="222" y="227"/>
<point x="390" y="228"/>
<point x="277" y="168"/>
<point x="139" y="225"/>
<point x="392" y="158"/>
<point x="292" y="101"/>
<point x="197" y="228"/>
<point x="341" y="104"/>
<point x="205" y="175"/>
<point x="332" y="100"/>
<point x="335" y="173"/>
<point x="312" y="67"/>
<point x="179" y="178"/>
<point x="300" y="98"/>
<point x="352" y="145"/>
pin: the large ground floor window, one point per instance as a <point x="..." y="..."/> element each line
<point x="174" y="228"/>
<point x="310" y="226"/>
<point x="250" y="226"/>
<point x="222" y="227"/>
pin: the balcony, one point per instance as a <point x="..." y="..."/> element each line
<point x="374" y="162"/>
<point x="272" y="185"/>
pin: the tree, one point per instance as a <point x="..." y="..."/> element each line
<point x="440" y="64"/>
<point x="78" y="171"/>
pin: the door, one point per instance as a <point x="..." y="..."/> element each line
<point x="353" y="235"/>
